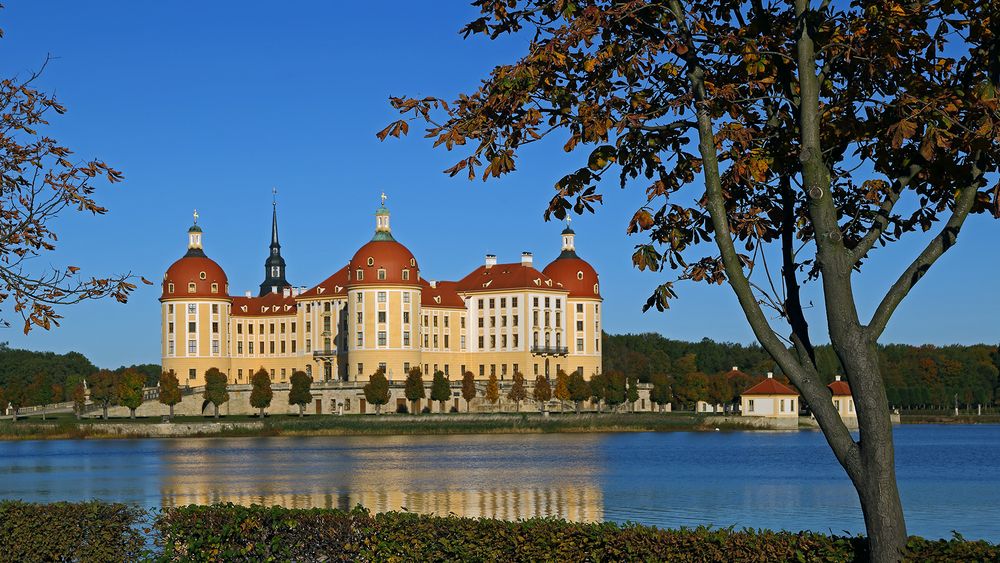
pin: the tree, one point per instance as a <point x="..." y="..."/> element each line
<point x="615" y="394"/>
<point x="170" y="391"/>
<point x="632" y="393"/>
<point x="561" y="391"/>
<point x="660" y="394"/>
<point x="301" y="391"/>
<point x="797" y="129"/>
<point x="413" y="388"/>
<point x="492" y="390"/>
<point x="468" y="388"/>
<point x="579" y="391"/>
<point x="216" y="390"/>
<point x="130" y="385"/>
<point x="260" y="391"/>
<point x="79" y="400"/>
<point x="542" y="391"/>
<point x="41" y="180"/>
<point x="440" y="389"/>
<point x="104" y="389"/>
<point x="39" y="392"/>
<point x="518" y="392"/>
<point x="3" y="402"/>
<point x="599" y="389"/>
<point x="16" y="399"/>
<point x="377" y="390"/>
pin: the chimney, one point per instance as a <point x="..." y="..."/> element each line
<point x="248" y="294"/>
<point x="526" y="259"/>
<point x="433" y="283"/>
<point x="491" y="260"/>
<point x="274" y="289"/>
<point x="836" y="378"/>
<point x="286" y="292"/>
<point x="770" y="375"/>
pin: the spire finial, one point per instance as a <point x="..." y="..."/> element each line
<point x="274" y="196"/>
<point x="384" y="197"/>
<point x="195" y="216"/>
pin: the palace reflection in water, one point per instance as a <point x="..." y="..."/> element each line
<point x="431" y="475"/>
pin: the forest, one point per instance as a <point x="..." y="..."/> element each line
<point x="923" y="376"/>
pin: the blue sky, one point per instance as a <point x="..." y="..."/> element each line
<point x="208" y="105"/>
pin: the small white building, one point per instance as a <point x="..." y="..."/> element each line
<point x="843" y="401"/>
<point x="770" y="398"/>
<point x="705" y="407"/>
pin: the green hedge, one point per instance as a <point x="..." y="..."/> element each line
<point x="88" y="531"/>
<point x="112" y="532"/>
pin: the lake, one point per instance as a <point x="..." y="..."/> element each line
<point x="949" y="476"/>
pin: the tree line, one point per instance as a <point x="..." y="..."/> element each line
<point x="924" y="376"/>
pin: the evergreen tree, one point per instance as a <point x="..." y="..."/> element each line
<point x="301" y="391"/>
<point x="79" y="400"/>
<point x="517" y="392"/>
<point x="377" y="390"/>
<point x="216" y="390"/>
<point x="615" y="395"/>
<point x="632" y="394"/>
<point x="261" y="393"/>
<point x="130" y="386"/>
<point x="579" y="391"/>
<point x="493" y="390"/>
<point x="440" y="389"/>
<point x="599" y="389"/>
<point x="170" y="390"/>
<point x="561" y="391"/>
<point x="414" y="387"/>
<point x="542" y="392"/>
<point x="468" y="388"/>
<point x="104" y="389"/>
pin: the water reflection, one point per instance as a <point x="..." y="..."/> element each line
<point x="467" y="476"/>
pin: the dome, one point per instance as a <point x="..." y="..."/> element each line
<point x="383" y="261"/>
<point x="208" y="278"/>
<point x="575" y="274"/>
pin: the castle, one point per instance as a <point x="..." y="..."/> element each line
<point x="379" y="311"/>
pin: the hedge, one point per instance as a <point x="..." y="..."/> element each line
<point x="227" y="532"/>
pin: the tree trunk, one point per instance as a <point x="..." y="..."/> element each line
<point x="517" y="406"/>
<point x="302" y="411"/>
<point x="131" y="414"/>
<point x="261" y="415"/>
<point x="78" y="415"/>
<point x="577" y="407"/>
<point x="216" y="410"/>
<point x="171" y="413"/>
<point x="43" y="412"/>
<point x="15" y="415"/>
<point x="105" y="411"/>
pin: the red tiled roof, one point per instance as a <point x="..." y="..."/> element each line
<point x="270" y="305"/>
<point x="189" y="269"/>
<point x="333" y="286"/>
<point x="506" y="276"/>
<point x="770" y="386"/>
<point x="388" y="255"/>
<point x="840" y="388"/>
<point x="576" y="276"/>
<point x="444" y="295"/>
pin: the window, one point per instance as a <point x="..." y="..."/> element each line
<point x="535" y="301"/>
<point x="446" y="321"/>
<point x="461" y="321"/>
<point x="360" y="297"/>
<point x="413" y="262"/>
<point x="546" y="302"/>
<point x="406" y="294"/>
<point x="425" y="341"/>
<point x="381" y="274"/>
<point x="435" y="321"/>
<point x="503" y="302"/>
<point x="192" y="327"/>
<point x="250" y="347"/>
<point x="361" y="338"/>
<point x="558" y="303"/>
<point x="359" y="275"/>
<point x="272" y="346"/>
<point x="579" y="308"/>
<point x="850" y="405"/>
<point x="281" y="328"/>
<point x="435" y="341"/>
<point x="493" y="322"/>
<point x="371" y="261"/>
<point x="170" y="347"/>
<point x="481" y="346"/>
<point x="381" y="296"/>
<point x="239" y="347"/>
<point x="260" y="327"/>
<point x="493" y="341"/>
<point x="215" y="308"/>
<point x="215" y="328"/>
<point x="534" y="318"/>
<point x="271" y="328"/>
<point x="558" y="318"/>
<point x="515" y="341"/>
<point x="503" y="370"/>
<point x="579" y="345"/>
<point x="579" y="325"/>
<point x="513" y="301"/>
<point x="381" y="316"/>
<point x="546" y="318"/>
<point x="462" y="343"/>
<point x="595" y="289"/>
<point x="215" y="346"/>
<point x="579" y="276"/>
<point x="781" y="408"/>
<point x="361" y="368"/>
<point x="293" y="328"/>
<point x="215" y="288"/>
<point x="406" y="338"/>
<point x="482" y="370"/>
<point x="192" y="346"/>
<point x="480" y="322"/>
<point x="192" y="373"/>
<point x="749" y="405"/>
<point x="308" y="345"/>
<point x="493" y="369"/>
<point x="361" y="318"/>
<point x="192" y="308"/>
<point x="406" y="367"/>
<point x="446" y="341"/>
<point x="425" y="320"/>
<point x="282" y="346"/>
<point x="202" y="275"/>
<point x="170" y="328"/>
<point x="249" y="328"/>
<point x="191" y="287"/>
<point x="515" y="320"/>
<point x="536" y="369"/>
<point x="381" y="338"/>
<point x="480" y="303"/>
<point x="170" y="289"/>
<point x="503" y="341"/>
<point x="170" y="308"/>
<point x="406" y="275"/>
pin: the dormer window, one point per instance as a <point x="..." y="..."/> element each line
<point x="406" y="275"/>
<point x="202" y="275"/>
<point x="360" y="275"/>
<point x="371" y="261"/>
<point x="215" y="288"/>
<point x="170" y="288"/>
<point x="595" y="289"/>
<point x="579" y="275"/>
<point x="381" y="273"/>
<point x="191" y="287"/>
<point x="413" y="263"/>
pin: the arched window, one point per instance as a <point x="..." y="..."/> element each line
<point x="215" y="288"/>
<point x="406" y="275"/>
<point x="191" y="287"/>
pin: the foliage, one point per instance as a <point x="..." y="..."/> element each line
<point x="170" y="389"/>
<point x="39" y="180"/>
<point x="561" y="391"/>
<point x="261" y="393"/>
<point x="216" y="391"/>
<point x="660" y="393"/>
<point x="413" y="387"/>
<point x="492" y="389"/>
<point x="151" y="372"/>
<point x="60" y="368"/>
<point x="615" y="390"/>
<point x="300" y="392"/>
<point x="62" y="531"/>
<point x="468" y="388"/>
<point x="377" y="390"/>
<point x="542" y="391"/>
<point x="79" y="399"/>
<point x="130" y="384"/>
<point x="518" y="392"/>
<point x="104" y="389"/>
<point x="39" y="391"/>
<point x="17" y="398"/>
<point x="579" y="390"/>
<point x="599" y="389"/>
<point x="440" y="388"/>
<point x="632" y="394"/>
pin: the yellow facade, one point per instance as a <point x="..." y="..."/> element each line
<point x="347" y="328"/>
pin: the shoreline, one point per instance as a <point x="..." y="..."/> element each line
<point x="401" y="424"/>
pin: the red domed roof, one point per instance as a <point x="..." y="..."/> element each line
<point x="576" y="276"/>
<point x="208" y="278"/>
<point x="387" y="255"/>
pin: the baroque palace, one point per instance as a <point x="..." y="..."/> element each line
<point x="380" y="311"/>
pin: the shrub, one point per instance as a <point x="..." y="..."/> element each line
<point x="62" y="531"/>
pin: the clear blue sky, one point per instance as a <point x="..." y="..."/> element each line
<point x="208" y="105"/>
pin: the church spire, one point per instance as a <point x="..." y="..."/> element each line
<point x="274" y="266"/>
